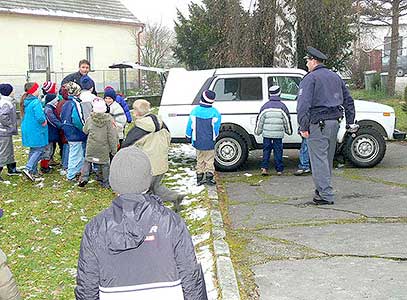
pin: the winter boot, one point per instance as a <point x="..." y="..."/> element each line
<point x="209" y="178"/>
<point x="12" y="169"/>
<point x="200" y="178"/>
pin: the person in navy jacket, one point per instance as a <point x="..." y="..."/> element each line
<point x="203" y="128"/>
<point x="322" y="100"/>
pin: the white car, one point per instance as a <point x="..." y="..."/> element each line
<point x="240" y="93"/>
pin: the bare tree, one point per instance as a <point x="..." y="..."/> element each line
<point x="155" y="49"/>
<point x="156" y="46"/>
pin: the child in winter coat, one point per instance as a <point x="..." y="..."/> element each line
<point x="34" y="128"/>
<point x="64" y="142"/>
<point x="117" y="112"/>
<point x="273" y="120"/>
<point x="72" y="124"/>
<point x="8" y="128"/>
<point x="123" y="104"/>
<point x="54" y="125"/>
<point x="137" y="248"/>
<point x="152" y="136"/>
<point x="203" y="128"/>
<point x="102" y="142"/>
<point x="86" y="97"/>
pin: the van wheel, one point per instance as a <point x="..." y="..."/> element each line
<point x="366" y="149"/>
<point x="400" y="72"/>
<point x="230" y="151"/>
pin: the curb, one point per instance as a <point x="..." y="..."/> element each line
<point x="224" y="267"/>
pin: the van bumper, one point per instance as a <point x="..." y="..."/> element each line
<point x="399" y="135"/>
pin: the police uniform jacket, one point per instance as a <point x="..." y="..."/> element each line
<point x="323" y="96"/>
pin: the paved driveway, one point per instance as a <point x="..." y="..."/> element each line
<point x="291" y="249"/>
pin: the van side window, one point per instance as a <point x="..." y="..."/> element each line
<point x="289" y="86"/>
<point x="238" y="89"/>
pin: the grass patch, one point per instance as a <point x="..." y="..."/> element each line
<point x="42" y="226"/>
<point x="381" y="97"/>
<point x="238" y="248"/>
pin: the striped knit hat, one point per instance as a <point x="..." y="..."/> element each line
<point x="274" y="91"/>
<point x="49" y="87"/>
<point x="208" y="97"/>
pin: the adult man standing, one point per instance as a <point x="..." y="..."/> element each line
<point x="84" y="68"/>
<point x="322" y="97"/>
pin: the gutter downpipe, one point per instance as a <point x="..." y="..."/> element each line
<point x="139" y="53"/>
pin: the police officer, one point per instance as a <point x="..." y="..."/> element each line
<point x="322" y="98"/>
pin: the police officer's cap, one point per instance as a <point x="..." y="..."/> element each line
<point x="315" y="54"/>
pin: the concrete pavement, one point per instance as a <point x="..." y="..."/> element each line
<point x="283" y="247"/>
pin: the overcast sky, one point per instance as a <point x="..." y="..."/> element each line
<point x="162" y="11"/>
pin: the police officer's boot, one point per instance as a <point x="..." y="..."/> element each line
<point x="209" y="178"/>
<point x="200" y="178"/>
<point x="12" y="169"/>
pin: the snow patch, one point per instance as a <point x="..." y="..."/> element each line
<point x="205" y="257"/>
<point x="9" y="201"/>
<point x="196" y="239"/>
<point x="56" y="231"/>
<point x="198" y="213"/>
<point x="6" y="182"/>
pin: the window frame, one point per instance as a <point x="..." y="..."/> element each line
<point x="240" y="76"/>
<point x="89" y="56"/>
<point x="31" y="53"/>
<point x="292" y="97"/>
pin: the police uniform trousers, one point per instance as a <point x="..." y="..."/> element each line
<point x="322" y="145"/>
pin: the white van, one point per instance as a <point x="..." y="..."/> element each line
<point x="240" y="93"/>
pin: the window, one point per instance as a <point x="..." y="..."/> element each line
<point x="387" y="45"/>
<point x="39" y="58"/>
<point x="288" y="85"/>
<point x="243" y="89"/>
<point x="89" y="56"/>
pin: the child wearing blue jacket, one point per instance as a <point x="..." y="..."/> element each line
<point x="203" y="129"/>
<point x="72" y="124"/>
<point x="34" y="128"/>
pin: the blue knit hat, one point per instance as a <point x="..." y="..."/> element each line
<point x="87" y="83"/>
<point x="5" y="89"/>
<point x="110" y="93"/>
<point x="208" y="97"/>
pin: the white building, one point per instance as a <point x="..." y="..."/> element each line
<point x="56" y="34"/>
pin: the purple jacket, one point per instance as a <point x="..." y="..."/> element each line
<point x="8" y="117"/>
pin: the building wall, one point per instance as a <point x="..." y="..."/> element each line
<point x="373" y="37"/>
<point x="68" y="38"/>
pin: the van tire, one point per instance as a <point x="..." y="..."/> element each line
<point x="231" y="151"/>
<point x="366" y="148"/>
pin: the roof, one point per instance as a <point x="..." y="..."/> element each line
<point x="102" y="10"/>
<point x="258" y="70"/>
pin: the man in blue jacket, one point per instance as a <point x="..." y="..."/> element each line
<point x="84" y="68"/>
<point x="322" y="98"/>
<point x="203" y="128"/>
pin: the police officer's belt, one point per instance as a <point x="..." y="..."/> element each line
<point x="322" y="113"/>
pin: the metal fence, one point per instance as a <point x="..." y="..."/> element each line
<point x="125" y="80"/>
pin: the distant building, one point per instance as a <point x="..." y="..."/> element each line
<point x="53" y="35"/>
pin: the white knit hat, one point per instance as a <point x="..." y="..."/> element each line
<point x="99" y="105"/>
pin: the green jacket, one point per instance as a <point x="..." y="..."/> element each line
<point x="102" y="138"/>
